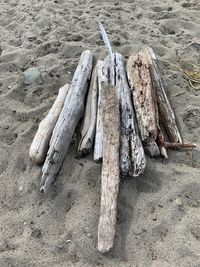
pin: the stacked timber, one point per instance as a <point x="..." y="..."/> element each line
<point x="125" y="112"/>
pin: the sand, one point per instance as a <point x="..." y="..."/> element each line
<point x="158" y="220"/>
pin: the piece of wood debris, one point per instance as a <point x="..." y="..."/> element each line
<point x="110" y="169"/>
<point x="132" y="157"/>
<point x="39" y="146"/>
<point x="102" y="80"/>
<point x="163" y="144"/>
<point x="144" y="99"/>
<point x="71" y="113"/>
<point x="89" y="122"/>
<point x="166" y="114"/>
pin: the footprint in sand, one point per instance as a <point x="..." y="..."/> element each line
<point x="190" y="195"/>
<point x="8" y="135"/>
<point x="191" y="119"/>
<point x="170" y="27"/>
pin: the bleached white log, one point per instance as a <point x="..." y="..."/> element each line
<point x="110" y="169"/>
<point x="102" y="80"/>
<point x="144" y="99"/>
<point x="132" y="157"/>
<point x="71" y="113"/>
<point x="39" y="146"/>
<point x="166" y="114"/>
<point x="89" y="122"/>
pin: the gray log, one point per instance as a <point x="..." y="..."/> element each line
<point x="71" y="113"/>
<point x="102" y="80"/>
<point x="39" y="146"/>
<point x="166" y="114"/>
<point x="89" y="122"/>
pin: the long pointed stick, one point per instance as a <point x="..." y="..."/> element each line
<point x="110" y="170"/>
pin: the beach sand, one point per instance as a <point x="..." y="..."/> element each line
<point x="158" y="221"/>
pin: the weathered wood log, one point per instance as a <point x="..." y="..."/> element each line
<point x="132" y="157"/>
<point x="39" y="146"/>
<point x="71" y="113"/>
<point x="89" y="122"/>
<point x="102" y="80"/>
<point x="166" y="114"/>
<point x="110" y="169"/>
<point x="144" y="99"/>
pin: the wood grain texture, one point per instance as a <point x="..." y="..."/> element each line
<point x="110" y="169"/>
<point x="102" y="80"/>
<point x="39" y="146"/>
<point x="89" y="122"/>
<point x="166" y="114"/>
<point x="71" y="113"/>
<point x="144" y="99"/>
<point x="132" y="157"/>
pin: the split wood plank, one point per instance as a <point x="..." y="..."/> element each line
<point x="89" y="122"/>
<point x="110" y="169"/>
<point x="102" y="80"/>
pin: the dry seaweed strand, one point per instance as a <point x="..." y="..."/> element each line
<point x="193" y="76"/>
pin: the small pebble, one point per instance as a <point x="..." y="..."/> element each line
<point x="179" y="202"/>
<point x="59" y="245"/>
<point x="21" y="188"/>
<point x="24" y="223"/>
<point x="30" y="75"/>
<point x="87" y="232"/>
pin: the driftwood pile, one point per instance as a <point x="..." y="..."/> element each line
<point x="125" y="113"/>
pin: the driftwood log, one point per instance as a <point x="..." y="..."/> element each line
<point x="110" y="169"/>
<point x="71" y="113"/>
<point x="144" y="99"/>
<point x="166" y="114"/>
<point x="89" y="122"/>
<point x="132" y="157"/>
<point x="102" y="80"/>
<point x="42" y="138"/>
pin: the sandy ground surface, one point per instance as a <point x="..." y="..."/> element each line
<point x="158" y="220"/>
